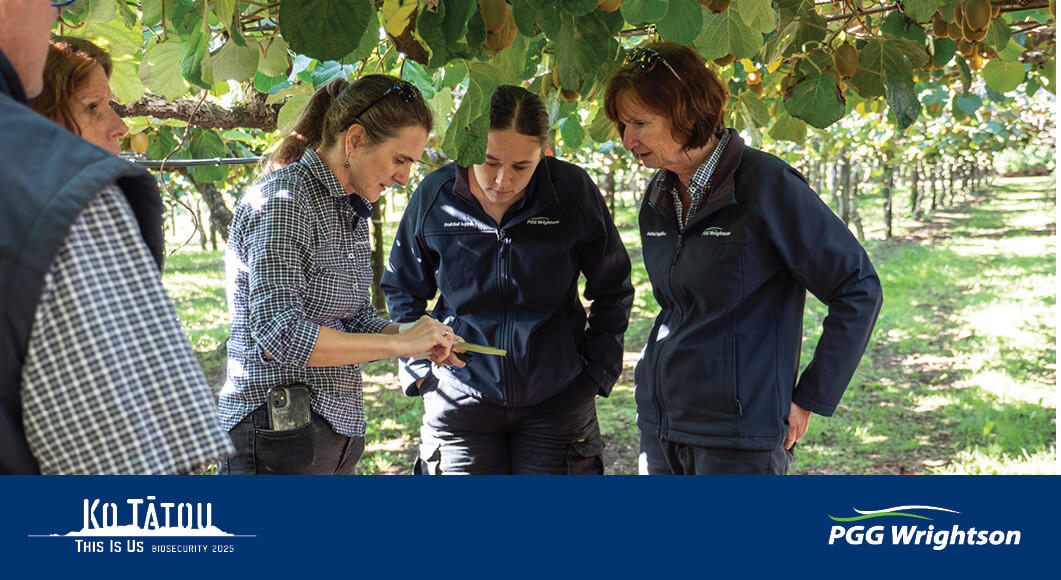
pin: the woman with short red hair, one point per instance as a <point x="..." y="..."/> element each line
<point x="733" y="238"/>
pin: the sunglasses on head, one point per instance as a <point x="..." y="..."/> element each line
<point x="647" y="59"/>
<point x="62" y="3"/>
<point x="406" y="91"/>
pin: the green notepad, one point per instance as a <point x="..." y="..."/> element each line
<point x="478" y="348"/>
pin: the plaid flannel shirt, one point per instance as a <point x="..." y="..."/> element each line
<point x="110" y="384"/>
<point x="298" y="259"/>
<point x="698" y="184"/>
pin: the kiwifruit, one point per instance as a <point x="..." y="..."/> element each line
<point x="954" y="32"/>
<point x="756" y="88"/>
<point x="503" y="37"/>
<point x="609" y="5"/>
<point x="973" y="34"/>
<point x="569" y="96"/>
<point x="965" y="48"/>
<point x="978" y="14"/>
<point x="493" y="12"/>
<point x="845" y="59"/>
<point x="959" y="14"/>
<point x="725" y="60"/>
<point x="935" y="108"/>
<point x="976" y="62"/>
<point x="939" y="26"/>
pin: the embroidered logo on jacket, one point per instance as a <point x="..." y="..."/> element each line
<point x="655" y="234"/>
<point x="467" y="224"/>
<point x="542" y="221"/>
<point x="715" y="231"/>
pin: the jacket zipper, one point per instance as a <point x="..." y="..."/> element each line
<point x="503" y="242"/>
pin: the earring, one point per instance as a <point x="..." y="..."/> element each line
<point x="346" y="163"/>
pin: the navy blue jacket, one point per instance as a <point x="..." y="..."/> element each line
<point x="514" y="285"/>
<point x="720" y="366"/>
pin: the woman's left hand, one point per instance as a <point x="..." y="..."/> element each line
<point x="798" y="421"/>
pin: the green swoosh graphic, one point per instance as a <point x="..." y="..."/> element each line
<point x="862" y="517"/>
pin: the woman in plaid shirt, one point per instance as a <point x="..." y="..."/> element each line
<point x="299" y="278"/>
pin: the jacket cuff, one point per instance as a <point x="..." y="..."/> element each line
<point x="600" y="377"/>
<point x="412" y="370"/>
<point x="800" y="398"/>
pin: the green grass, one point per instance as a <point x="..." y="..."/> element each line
<point x="959" y="377"/>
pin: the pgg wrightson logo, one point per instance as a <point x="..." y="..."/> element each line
<point x="915" y="535"/>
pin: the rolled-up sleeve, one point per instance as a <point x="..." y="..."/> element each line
<point x="278" y="244"/>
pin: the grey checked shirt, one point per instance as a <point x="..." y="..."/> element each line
<point x="296" y="262"/>
<point x="698" y="184"/>
<point x="110" y="384"/>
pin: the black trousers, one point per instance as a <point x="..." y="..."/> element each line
<point x="660" y="457"/>
<point x="315" y="449"/>
<point x="461" y="434"/>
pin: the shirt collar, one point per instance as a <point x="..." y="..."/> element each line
<point x="323" y="173"/>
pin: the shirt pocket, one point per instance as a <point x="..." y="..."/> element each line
<point x="338" y="281"/>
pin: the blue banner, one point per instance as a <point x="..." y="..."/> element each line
<point x="499" y="527"/>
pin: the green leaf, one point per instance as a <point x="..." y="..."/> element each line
<point x="1049" y="75"/>
<point x="998" y="35"/>
<point x="884" y="57"/>
<point x="966" y="74"/>
<point x="902" y="99"/>
<point x="682" y="22"/>
<point x="290" y="111"/>
<point x="601" y="128"/>
<point x="1012" y="52"/>
<point x="788" y="128"/>
<point x="193" y="52"/>
<point x="524" y="14"/>
<point x="324" y="29"/>
<point x="119" y="41"/>
<point x="641" y="12"/>
<point x="207" y="145"/>
<point x="441" y="104"/>
<point x="725" y="33"/>
<point x="274" y="61"/>
<point x="128" y="15"/>
<point x="224" y="10"/>
<point x="161" y="143"/>
<point x="160" y="70"/>
<point x="921" y="10"/>
<point x="582" y="46"/>
<point x="511" y="63"/>
<point x="91" y="11"/>
<point x="816" y="100"/>
<point x="577" y="7"/>
<point x="465" y="139"/>
<point x="572" y="132"/>
<point x="969" y="103"/>
<point x="368" y="41"/>
<point x="759" y="15"/>
<point x="755" y="109"/>
<point x="125" y="81"/>
<point x="943" y="51"/>
<point x="1003" y="76"/>
<point x="455" y="25"/>
<point x="234" y="62"/>
<point x="899" y="25"/>
<point x="800" y="24"/>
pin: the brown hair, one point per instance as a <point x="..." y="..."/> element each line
<point x="373" y="101"/>
<point x="687" y="92"/>
<point x="70" y="61"/>
<point x="514" y="107"/>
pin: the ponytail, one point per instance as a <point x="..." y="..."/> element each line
<point x="306" y="132"/>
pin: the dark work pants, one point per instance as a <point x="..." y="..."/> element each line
<point x="659" y="457"/>
<point x="461" y="434"/>
<point x="315" y="449"/>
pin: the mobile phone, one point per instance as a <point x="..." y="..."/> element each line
<point x="289" y="407"/>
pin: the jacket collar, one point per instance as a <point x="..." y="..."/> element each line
<point x="540" y="192"/>
<point x="10" y="84"/>
<point x="720" y="185"/>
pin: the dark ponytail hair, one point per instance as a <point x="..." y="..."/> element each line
<point x="371" y="101"/>
<point x="517" y="108"/>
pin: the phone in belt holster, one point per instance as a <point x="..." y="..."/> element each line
<point x="289" y="407"/>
